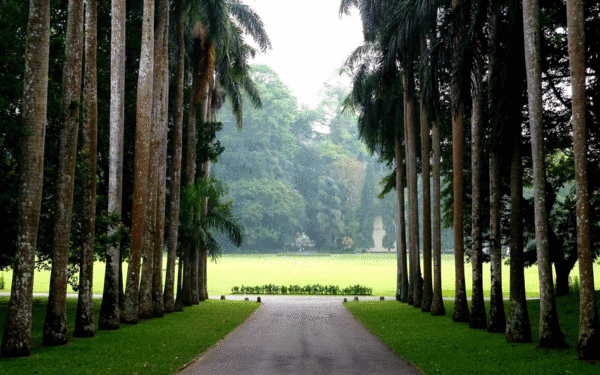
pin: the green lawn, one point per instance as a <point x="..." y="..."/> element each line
<point x="157" y="346"/>
<point x="438" y="346"/>
<point x="377" y="271"/>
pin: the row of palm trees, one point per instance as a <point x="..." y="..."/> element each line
<point x="454" y="47"/>
<point x="218" y="67"/>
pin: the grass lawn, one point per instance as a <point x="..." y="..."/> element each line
<point x="438" y="346"/>
<point x="157" y="346"/>
<point x="377" y="271"/>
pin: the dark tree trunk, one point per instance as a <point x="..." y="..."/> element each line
<point x="550" y="334"/>
<point x="55" y="325"/>
<point x="402" y="272"/>
<point x="437" y="303"/>
<point x="411" y="137"/>
<point x="176" y="171"/>
<point x="588" y="344"/>
<point x="497" y="322"/>
<point x="109" y="310"/>
<point x="461" y="308"/>
<point x="478" y="318"/>
<point x="518" y="327"/>
<point x="425" y="150"/>
<point x="84" y="320"/>
<point x="16" y="340"/>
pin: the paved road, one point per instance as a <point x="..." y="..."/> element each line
<point x="300" y="335"/>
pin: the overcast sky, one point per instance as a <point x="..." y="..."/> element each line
<point x="310" y="41"/>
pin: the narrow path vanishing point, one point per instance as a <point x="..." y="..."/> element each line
<point x="300" y="335"/>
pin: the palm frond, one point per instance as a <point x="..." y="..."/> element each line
<point x="251" y="23"/>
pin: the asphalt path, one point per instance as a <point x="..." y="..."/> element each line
<point x="300" y="335"/>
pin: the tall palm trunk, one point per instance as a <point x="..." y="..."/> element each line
<point x="84" y="320"/>
<point x="402" y="273"/>
<point x="109" y="310"/>
<point x="55" y="325"/>
<point x="478" y="318"/>
<point x="177" y="158"/>
<point x="588" y="344"/>
<point x="144" y="121"/>
<point x="518" y="328"/>
<point x="461" y="308"/>
<point x="497" y="322"/>
<point x="425" y="150"/>
<point x="550" y="334"/>
<point x="411" y="260"/>
<point x="412" y="188"/>
<point x="16" y="340"/>
<point x="163" y="118"/>
<point x="437" y="303"/>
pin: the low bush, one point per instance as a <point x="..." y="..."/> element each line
<point x="314" y="289"/>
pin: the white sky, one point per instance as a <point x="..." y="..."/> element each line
<point x="310" y="42"/>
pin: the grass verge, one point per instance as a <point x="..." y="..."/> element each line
<point x="157" y="346"/>
<point x="438" y="346"/>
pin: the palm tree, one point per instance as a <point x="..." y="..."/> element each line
<point x="589" y="327"/>
<point x="161" y="106"/>
<point x="518" y="328"/>
<point x="109" y="310"/>
<point x="84" y="321"/>
<point x="550" y="334"/>
<point x="197" y="230"/>
<point x="220" y="50"/>
<point x="144" y="121"/>
<point x="425" y="149"/>
<point x="169" y="302"/>
<point x="55" y="325"/>
<point x="16" y="340"/>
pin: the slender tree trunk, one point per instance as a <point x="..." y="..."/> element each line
<point x="176" y="172"/>
<point x="402" y="279"/>
<point x="16" y="340"/>
<point x="163" y="116"/>
<point x="413" y="190"/>
<point x="203" y="253"/>
<point x="478" y="318"/>
<point x="497" y="322"/>
<point x="109" y="310"/>
<point x="518" y="328"/>
<point x="425" y="150"/>
<point x="84" y="320"/>
<point x="550" y="334"/>
<point x="588" y="344"/>
<point x="437" y="303"/>
<point x="144" y="124"/>
<point x="461" y="308"/>
<point x="55" y="325"/>
<point x="410" y="264"/>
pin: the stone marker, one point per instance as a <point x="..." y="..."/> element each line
<point x="258" y="300"/>
<point x="381" y="298"/>
<point x="246" y="299"/>
<point x="223" y="297"/>
<point x="356" y="298"/>
<point x="345" y="300"/>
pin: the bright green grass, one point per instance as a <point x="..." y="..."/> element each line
<point x="157" y="346"/>
<point x="377" y="271"/>
<point x="438" y="346"/>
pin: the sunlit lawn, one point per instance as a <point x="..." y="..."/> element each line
<point x="377" y="271"/>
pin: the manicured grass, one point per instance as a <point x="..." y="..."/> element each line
<point x="157" y="346"/>
<point x="377" y="271"/>
<point x="438" y="346"/>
